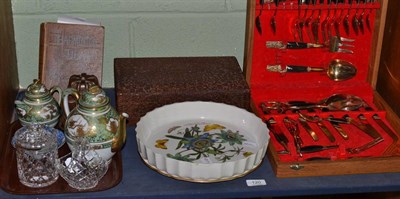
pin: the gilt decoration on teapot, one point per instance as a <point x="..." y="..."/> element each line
<point x="96" y="120"/>
<point x="38" y="105"/>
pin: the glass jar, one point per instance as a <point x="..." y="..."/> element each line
<point x="36" y="150"/>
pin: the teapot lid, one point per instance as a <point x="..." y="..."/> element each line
<point x="94" y="97"/>
<point x="36" y="90"/>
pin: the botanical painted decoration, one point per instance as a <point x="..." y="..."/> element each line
<point x="204" y="143"/>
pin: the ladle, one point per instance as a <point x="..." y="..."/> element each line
<point x="338" y="70"/>
<point x="336" y="102"/>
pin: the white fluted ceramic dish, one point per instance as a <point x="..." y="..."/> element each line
<point x="202" y="141"/>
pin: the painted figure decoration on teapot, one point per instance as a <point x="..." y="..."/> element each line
<point x="38" y="105"/>
<point x="95" y="119"/>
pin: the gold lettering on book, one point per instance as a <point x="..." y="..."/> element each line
<point x="55" y="37"/>
<point x="58" y="37"/>
<point x="70" y="54"/>
<point x="79" y="40"/>
<point x="86" y="55"/>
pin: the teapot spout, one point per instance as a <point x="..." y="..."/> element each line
<point x="120" y="138"/>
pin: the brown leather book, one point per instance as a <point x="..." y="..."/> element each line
<point x="69" y="49"/>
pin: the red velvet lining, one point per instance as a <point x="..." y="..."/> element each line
<point x="314" y="86"/>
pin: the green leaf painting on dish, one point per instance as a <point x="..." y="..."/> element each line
<point x="198" y="141"/>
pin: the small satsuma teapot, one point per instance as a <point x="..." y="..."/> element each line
<point x="39" y="106"/>
<point x="95" y="120"/>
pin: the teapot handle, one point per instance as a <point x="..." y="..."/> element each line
<point x="59" y="91"/>
<point x="67" y="92"/>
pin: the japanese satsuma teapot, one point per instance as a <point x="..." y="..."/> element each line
<point x="96" y="120"/>
<point x="38" y="105"/>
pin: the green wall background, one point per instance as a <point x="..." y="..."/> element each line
<point x="136" y="28"/>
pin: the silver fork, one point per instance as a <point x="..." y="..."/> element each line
<point x="336" y="42"/>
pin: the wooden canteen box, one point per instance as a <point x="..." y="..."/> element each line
<point x="143" y="84"/>
<point x="295" y="56"/>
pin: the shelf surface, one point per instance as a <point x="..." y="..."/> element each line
<point x="139" y="181"/>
